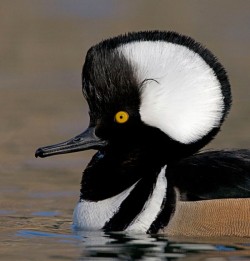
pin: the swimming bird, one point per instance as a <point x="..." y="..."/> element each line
<point x="155" y="100"/>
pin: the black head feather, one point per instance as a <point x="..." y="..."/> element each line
<point x="110" y="83"/>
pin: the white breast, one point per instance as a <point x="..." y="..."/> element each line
<point x="91" y="215"/>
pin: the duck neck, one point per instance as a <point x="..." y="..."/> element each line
<point x="128" y="192"/>
<point x="126" y="189"/>
<point x="109" y="173"/>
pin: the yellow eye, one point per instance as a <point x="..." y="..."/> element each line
<point x="121" y="117"/>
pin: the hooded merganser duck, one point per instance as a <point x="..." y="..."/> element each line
<point x="155" y="99"/>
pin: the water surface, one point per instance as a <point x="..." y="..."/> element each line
<point x="42" y="48"/>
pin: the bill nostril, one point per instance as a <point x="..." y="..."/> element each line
<point x="76" y="139"/>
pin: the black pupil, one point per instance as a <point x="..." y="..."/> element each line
<point x="121" y="117"/>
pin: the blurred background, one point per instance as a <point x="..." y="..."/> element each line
<point x="42" y="48"/>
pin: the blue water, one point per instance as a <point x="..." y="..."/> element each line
<point x="121" y="246"/>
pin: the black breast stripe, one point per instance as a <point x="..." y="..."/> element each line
<point x="132" y="205"/>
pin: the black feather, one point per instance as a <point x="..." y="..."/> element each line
<point x="212" y="175"/>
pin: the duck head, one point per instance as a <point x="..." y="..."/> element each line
<point x="159" y="94"/>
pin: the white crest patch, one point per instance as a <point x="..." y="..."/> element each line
<point x="184" y="97"/>
<point x="152" y="206"/>
<point x="90" y="215"/>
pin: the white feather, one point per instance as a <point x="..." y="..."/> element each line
<point x="186" y="102"/>
<point x="152" y="206"/>
<point x="90" y="215"/>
